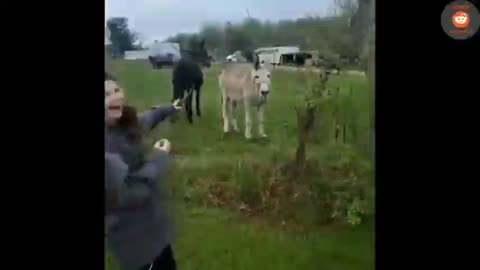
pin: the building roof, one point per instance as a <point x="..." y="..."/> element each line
<point x="278" y="48"/>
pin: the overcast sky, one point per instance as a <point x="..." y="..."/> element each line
<point x="159" y="19"/>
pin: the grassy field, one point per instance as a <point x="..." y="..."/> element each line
<point x="209" y="166"/>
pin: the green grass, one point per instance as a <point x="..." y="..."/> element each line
<point x="215" y="239"/>
<point x="218" y="239"/>
<point x="146" y="87"/>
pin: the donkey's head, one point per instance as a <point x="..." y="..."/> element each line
<point x="261" y="78"/>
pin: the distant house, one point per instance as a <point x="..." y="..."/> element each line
<point x="136" y="55"/>
<point x="299" y="58"/>
<point x="272" y="55"/>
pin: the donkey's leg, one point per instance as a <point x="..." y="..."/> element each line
<point x="188" y="106"/>
<point x="177" y="94"/>
<point x="261" y="118"/>
<point x="248" y="119"/>
<point x="225" y="114"/>
<point x="233" y="114"/>
<point x="197" y="100"/>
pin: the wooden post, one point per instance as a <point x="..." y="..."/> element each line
<point x="304" y="117"/>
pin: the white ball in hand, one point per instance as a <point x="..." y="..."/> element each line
<point x="163" y="145"/>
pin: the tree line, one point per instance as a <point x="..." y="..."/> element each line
<point x="337" y="34"/>
<point x="330" y="35"/>
<point x="122" y="38"/>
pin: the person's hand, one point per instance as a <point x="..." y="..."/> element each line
<point x="177" y="105"/>
<point x="163" y="145"/>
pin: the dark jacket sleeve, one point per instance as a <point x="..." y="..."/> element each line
<point x="119" y="191"/>
<point x="127" y="190"/>
<point x="151" y="118"/>
<point x="154" y="168"/>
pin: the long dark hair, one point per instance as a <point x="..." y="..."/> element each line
<point x="129" y="122"/>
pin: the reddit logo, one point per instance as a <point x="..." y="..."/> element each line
<point x="461" y="19"/>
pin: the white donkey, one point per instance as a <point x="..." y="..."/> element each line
<point x="247" y="83"/>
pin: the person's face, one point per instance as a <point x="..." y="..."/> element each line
<point x="114" y="100"/>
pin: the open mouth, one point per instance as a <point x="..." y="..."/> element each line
<point x="114" y="107"/>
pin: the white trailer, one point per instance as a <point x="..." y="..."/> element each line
<point x="271" y="55"/>
<point x="136" y="55"/>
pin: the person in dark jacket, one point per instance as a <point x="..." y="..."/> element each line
<point x="139" y="233"/>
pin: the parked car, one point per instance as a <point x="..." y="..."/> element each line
<point x="164" y="54"/>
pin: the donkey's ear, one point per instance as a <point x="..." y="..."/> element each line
<point x="257" y="62"/>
